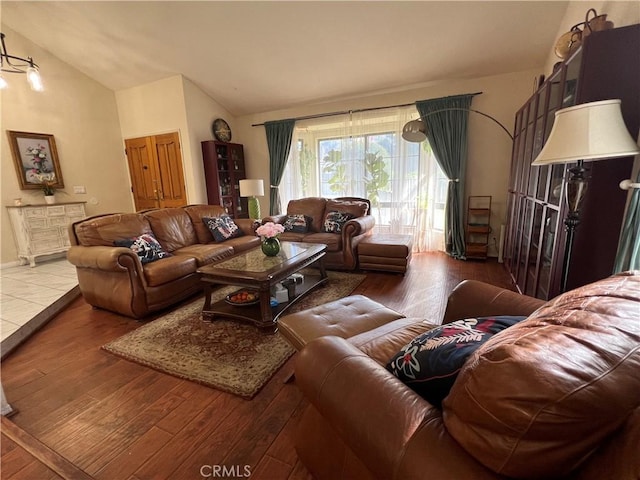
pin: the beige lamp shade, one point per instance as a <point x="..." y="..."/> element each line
<point x="251" y="188"/>
<point x="590" y="131"/>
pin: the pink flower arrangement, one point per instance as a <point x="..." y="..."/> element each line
<point x="270" y="230"/>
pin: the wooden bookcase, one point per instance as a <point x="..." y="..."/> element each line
<point x="223" y="169"/>
<point x="604" y="67"/>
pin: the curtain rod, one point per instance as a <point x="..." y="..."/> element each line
<point x="344" y="112"/>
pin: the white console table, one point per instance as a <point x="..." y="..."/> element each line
<point x="41" y="229"/>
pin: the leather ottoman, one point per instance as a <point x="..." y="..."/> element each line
<point x="385" y="252"/>
<point x="344" y="318"/>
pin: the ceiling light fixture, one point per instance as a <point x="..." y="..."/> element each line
<point x="13" y="64"/>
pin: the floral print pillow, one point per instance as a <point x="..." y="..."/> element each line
<point x="430" y="363"/>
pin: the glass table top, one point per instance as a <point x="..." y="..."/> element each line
<point x="255" y="261"/>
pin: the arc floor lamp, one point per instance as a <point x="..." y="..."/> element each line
<point x="416" y="130"/>
<point x="583" y="133"/>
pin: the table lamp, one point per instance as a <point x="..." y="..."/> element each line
<point x="252" y="189"/>
<point x="584" y="133"/>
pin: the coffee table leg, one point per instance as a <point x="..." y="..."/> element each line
<point x="323" y="272"/>
<point x="266" y="316"/>
<point x="206" y="314"/>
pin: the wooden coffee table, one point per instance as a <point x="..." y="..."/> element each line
<point x="254" y="270"/>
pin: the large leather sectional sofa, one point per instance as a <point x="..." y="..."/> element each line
<point x="556" y="396"/>
<point x="341" y="253"/>
<point x="113" y="277"/>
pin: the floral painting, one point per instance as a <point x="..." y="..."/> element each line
<point x="36" y="160"/>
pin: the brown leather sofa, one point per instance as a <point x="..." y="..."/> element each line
<point x="341" y="247"/>
<point x="556" y="396"/>
<point x="114" y="278"/>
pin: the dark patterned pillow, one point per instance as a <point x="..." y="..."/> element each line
<point x="145" y="246"/>
<point x="297" y="223"/>
<point x="222" y="228"/>
<point x="430" y="363"/>
<point x="334" y="221"/>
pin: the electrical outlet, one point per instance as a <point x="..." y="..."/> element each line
<point x="79" y="189"/>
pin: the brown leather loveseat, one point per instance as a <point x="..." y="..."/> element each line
<point x="341" y="247"/>
<point x="113" y="277"/>
<point x="556" y="396"/>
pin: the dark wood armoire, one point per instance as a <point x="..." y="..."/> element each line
<point x="606" y="66"/>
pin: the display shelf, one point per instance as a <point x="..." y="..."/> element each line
<point x="224" y="168"/>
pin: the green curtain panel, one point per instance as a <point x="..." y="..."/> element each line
<point x="628" y="256"/>
<point x="279" y="134"/>
<point x="447" y="135"/>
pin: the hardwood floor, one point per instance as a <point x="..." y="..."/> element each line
<point x="115" y="419"/>
<point x="16" y="459"/>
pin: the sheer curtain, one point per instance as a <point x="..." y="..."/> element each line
<point x="362" y="154"/>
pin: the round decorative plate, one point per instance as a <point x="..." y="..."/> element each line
<point x="242" y="298"/>
<point x="221" y="130"/>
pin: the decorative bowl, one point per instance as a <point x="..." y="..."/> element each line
<point x="243" y="297"/>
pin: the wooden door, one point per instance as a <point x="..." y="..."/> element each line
<point x="143" y="172"/>
<point x="171" y="179"/>
<point x="155" y="167"/>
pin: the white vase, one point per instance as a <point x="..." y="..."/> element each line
<point x="50" y="199"/>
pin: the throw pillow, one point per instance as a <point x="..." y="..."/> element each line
<point x="430" y="363"/>
<point x="297" y="223"/>
<point x="146" y="246"/>
<point x="334" y="221"/>
<point x="222" y="228"/>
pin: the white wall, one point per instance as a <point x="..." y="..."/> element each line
<point x="82" y="116"/>
<point x="489" y="156"/>
<point x="155" y="108"/>
<point x="201" y="110"/>
<point x="170" y="105"/>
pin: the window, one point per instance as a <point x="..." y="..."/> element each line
<point x="364" y="155"/>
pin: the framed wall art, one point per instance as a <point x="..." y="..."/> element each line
<point x="36" y="159"/>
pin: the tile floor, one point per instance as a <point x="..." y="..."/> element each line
<point x="25" y="292"/>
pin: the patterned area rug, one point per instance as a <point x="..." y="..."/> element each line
<point x="231" y="356"/>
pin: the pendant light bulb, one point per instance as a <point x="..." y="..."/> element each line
<point x="33" y="77"/>
<point x="3" y="83"/>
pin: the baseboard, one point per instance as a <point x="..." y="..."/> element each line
<point x="15" y="263"/>
<point x="41" y="259"/>
<point x="25" y="331"/>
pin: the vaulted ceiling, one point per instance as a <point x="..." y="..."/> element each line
<point x="260" y="56"/>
